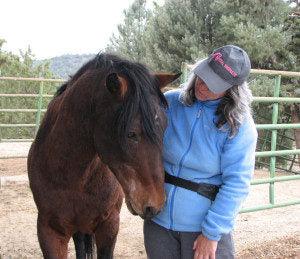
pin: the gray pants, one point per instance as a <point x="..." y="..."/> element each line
<point x="167" y="244"/>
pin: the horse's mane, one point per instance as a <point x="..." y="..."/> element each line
<point x="141" y="97"/>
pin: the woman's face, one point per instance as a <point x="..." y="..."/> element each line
<point x="202" y="92"/>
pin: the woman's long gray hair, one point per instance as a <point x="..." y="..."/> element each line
<point x="232" y="109"/>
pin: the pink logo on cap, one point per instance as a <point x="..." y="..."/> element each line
<point x="218" y="58"/>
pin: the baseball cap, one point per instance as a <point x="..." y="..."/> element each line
<point x="225" y="67"/>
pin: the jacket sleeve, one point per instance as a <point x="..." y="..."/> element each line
<point x="237" y="166"/>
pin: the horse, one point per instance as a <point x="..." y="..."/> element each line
<point x="100" y="140"/>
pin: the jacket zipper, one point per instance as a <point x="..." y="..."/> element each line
<point x="180" y="167"/>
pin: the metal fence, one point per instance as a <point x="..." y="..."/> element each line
<point x="40" y="98"/>
<point x="273" y="153"/>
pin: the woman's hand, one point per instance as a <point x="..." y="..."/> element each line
<point x="204" y="248"/>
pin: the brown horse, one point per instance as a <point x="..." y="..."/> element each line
<point x="102" y="131"/>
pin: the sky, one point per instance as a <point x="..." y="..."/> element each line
<point x="55" y="27"/>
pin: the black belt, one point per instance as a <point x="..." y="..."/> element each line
<point x="207" y="190"/>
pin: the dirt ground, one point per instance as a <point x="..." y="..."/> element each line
<point x="264" y="234"/>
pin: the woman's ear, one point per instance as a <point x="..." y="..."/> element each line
<point x="166" y="78"/>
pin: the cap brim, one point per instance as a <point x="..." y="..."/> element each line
<point x="213" y="81"/>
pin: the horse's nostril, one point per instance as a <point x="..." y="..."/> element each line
<point x="150" y="212"/>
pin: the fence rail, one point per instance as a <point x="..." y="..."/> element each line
<point x="40" y="96"/>
<point x="37" y="79"/>
<point x="273" y="153"/>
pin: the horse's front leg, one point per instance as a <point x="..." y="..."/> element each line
<point x="54" y="245"/>
<point x="106" y="234"/>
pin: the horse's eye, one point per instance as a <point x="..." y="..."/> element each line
<point x="133" y="136"/>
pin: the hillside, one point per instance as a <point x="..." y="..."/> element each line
<point x="66" y="65"/>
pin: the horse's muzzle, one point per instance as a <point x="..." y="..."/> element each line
<point x="149" y="212"/>
<point x="130" y="208"/>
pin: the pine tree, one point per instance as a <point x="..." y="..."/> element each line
<point x="180" y="31"/>
<point x="292" y="25"/>
<point x="258" y="27"/>
<point x="129" y="40"/>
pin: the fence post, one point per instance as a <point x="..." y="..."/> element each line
<point x="39" y="107"/>
<point x="274" y="138"/>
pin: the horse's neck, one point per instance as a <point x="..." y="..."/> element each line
<point x="66" y="139"/>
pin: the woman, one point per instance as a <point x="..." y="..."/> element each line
<point x="209" y="148"/>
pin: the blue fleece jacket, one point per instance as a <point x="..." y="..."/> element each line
<point x="196" y="150"/>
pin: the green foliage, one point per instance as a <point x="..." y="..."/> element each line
<point x="21" y="65"/>
<point x="179" y="31"/>
<point x="130" y="40"/>
<point x="292" y="26"/>
<point x="258" y="27"/>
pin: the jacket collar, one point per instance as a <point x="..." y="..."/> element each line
<point x="210" y="103"/>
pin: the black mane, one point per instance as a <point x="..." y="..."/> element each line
<point x="140" y="98"/>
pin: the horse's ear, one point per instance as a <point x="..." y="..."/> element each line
<point x="117" y="85"/>
<point x="166" y="78"/>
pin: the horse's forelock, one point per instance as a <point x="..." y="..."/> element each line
<point x="143" y="98"/>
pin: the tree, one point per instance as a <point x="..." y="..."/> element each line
<point x="22" y="65"/>
<point x="180" y="31"/>
<point x="129" y="41"/>
<point x="258" y="27"/>
<point x="292" y="25"/>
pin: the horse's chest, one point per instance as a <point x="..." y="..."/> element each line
<point x="83" y="212"/>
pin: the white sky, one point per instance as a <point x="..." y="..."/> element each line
<point x="56" y="27"/>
